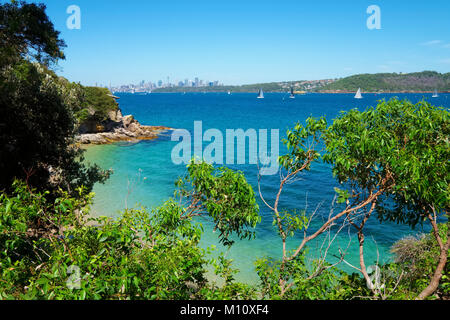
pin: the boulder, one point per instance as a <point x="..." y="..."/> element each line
<point x="115" y="116"/>
<point x="134" y="127"/>
<point x="127" y="120"/>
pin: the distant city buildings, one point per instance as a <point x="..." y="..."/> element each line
<point x="142" y="86"/>
<point x="149" y="86"/>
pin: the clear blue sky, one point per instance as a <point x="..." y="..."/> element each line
<point x="243" y="41"/>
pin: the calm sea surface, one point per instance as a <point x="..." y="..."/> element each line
<point x="144" y="174"/>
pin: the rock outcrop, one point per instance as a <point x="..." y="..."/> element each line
<point x="117" y="128"/>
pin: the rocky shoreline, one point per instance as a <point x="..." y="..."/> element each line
<point x="117" y="128"/>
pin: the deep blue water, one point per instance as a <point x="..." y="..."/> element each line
<point x="144" y="173"/>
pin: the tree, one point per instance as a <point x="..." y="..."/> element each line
<point x="26" y="31"/>
<point x="391" y="160"/>
<point x="404" y="149"/>
<point x="37" y="124"/>
<point x="305" y="147"/>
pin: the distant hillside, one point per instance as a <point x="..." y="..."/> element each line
<point x="301" y="85"/>
<point x="425" y="81"/>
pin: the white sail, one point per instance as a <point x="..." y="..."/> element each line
<point x="358" y="94"/>
<point x="261" y="94"/>
<point x="435" y="95"/>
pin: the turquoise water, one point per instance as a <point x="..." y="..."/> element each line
<point x="144" y="173"/>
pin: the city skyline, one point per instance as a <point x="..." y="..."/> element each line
<point x="242" y="42"/>
<point x="148" y="86"/>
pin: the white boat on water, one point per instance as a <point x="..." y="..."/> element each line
<point x="229" y="92"/>
<point x="358" y="94"/>
<point x="435" y="94"/>
<point x="261" y="94"/>
<point x="292" y="96"/>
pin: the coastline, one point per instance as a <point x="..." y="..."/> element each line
<point x="121" y="134"/>
<point x="117" y="128"/>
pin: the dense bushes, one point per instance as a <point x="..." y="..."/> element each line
<point x="417" y="258"/>
<point x="37" y="129"/>
<point x="51" y="250"/>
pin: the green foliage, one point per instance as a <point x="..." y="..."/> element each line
<point x="399" y="147"/>
<point x="301" y="143"/>
<point x="410" y="273"/>
<point x="304" y="280"/>
<point x="37" y="125"/>
<point x="398" y="153"/>
<point x="292" y="221"/>
<point x="98" y="100"/>
<point x="416" y="259"/>
<point x="48" y="250"/>
<point x="36" y="130"/>
<point x="25" y="30"/>
<point x="225" y="196"/>
<point x="229" y="289"/>
<point x="403" y="279"/>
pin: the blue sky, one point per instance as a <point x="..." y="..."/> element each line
<point x="238" y="42"/>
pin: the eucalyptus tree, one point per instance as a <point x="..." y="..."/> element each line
<point x="391" y="160"/>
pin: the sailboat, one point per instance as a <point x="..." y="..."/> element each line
<point x="261" y="94"/>
<point x="229" y="92"/>
<point x="435" y="94"/>
<point x="292" y="96"/>
<point x="358" y="94"/>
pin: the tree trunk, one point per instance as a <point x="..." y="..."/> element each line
<point x="432" y="287"/>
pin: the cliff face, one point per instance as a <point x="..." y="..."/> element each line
<point x="92" y="125"/>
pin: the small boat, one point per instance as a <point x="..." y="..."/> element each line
<point x="229" y="92"/>
<point x="292" y="96"/>
<point x="358" y="94"/>
<point x="261" y="94"/>
<point x="435" y="94"/>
